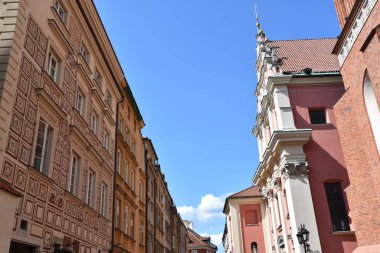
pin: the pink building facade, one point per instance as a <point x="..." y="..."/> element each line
<point x="302" y="173"/>
<point x="246" y="229"/>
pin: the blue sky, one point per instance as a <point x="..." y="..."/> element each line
<point x="191" y="67"/>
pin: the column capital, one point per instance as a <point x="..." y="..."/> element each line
<point x="295" y="169"/>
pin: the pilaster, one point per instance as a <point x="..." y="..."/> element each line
<point x="301" y="209"/>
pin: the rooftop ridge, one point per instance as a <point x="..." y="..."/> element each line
<point x="303" y="39"/>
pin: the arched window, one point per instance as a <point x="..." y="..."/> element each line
<point x="372" y="109"/>
<point x="254" y="247"/>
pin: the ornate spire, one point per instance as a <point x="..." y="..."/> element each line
<point x="260" y="33"/>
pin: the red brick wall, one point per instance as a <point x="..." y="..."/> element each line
<point x="358" y="144"/>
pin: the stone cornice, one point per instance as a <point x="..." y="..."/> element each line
<point x="278" y="139"/>
<point x="354" y="24"/>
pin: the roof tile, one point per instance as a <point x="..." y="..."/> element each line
<point x="315" y="54"/>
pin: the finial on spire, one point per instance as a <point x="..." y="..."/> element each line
<point x="260" y="32"/>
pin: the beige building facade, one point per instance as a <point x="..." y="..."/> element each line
<point x="60" y="85"/>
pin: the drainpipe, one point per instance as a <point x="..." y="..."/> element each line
<point x="114" y="178"/>
<point x="154" y="215"/>
<point x="146" y="197"/>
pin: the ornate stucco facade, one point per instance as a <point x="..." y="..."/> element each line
<point x="50" y="150"/>
<point x="73" y="163"/>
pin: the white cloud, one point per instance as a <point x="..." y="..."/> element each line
<point x="210" y="207"/>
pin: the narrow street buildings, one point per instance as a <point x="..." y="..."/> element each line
<point x="73" y="162"/>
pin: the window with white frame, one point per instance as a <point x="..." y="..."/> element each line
<point x="118" y="161"/>
<point x="43" y="147"/>
<point x="108" y="97"/>
<point x="97" y="77"/>
<point x="117" y="221"/>
<point x="53" y="66"/>
<point x="194" y="251"/>
<point x="103" y="199"/>
<point x="94" y="122"/>
<point x="141" y="229"/>
<point x="133" y="180"/>
<point x="84" y="52"/>
<point x="90" y="188"/>
<point x="141" y="191"/>
<point x="126" y="222"/>
<point x="126" y="171"/>
<point x="60" y="10"/>
<point x="127" y="137"/>
<point x="74" y="174"/>
<point x="80" y="102"/>
<point x="106" y="140"/>
<point x="120" y="125"/>
<point x="133" y="146"/>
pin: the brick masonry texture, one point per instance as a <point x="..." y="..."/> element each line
<point x="357" y="140"/>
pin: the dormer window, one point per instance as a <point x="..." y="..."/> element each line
<point x="60" y="11"/>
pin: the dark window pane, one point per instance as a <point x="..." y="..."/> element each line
<point x="337" y="208"/>
<point x="317" y="116"/>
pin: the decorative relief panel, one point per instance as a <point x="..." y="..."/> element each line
<point x="8" y="170"/>
<point x="32" y="186"/>
<point x="12" y="146"/>
<point x="20" y="178"/>
<point x="24" y="153"/>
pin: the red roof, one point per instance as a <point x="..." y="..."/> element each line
<point x="199" y="242"/>
<point x="253" y="191"/>
<point x="6" y="187"/>
<point x="314" y="54"/>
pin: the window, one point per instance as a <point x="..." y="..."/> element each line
<point x="132" y="225"/>
<point x="120" y="125"/>
<point x="337" y="207"/>
<point x="134" y="125"/>
<point x="106" y="140"/>
<point x="43" y="147"/>
<point x="126" y="171"/>
<point x="141" y="225"/>
<point x="80" y="102"/>
<point x="60" y="11"/>
<point x="126" y="219"/>
<point x="84" y="52"/>
<point x="141" y="191"/>
<point x="97" y="77"/>
<point x="133" y="180"/>
<point x="117" y="221"/>
<point x="53" y="66"/>
<point x="133" y="146"/>
<point x="372" y="109"/>
<point x="74" y="172"/>
<point x="194" y="251"/>
<point x="90" y="188"/>
<point x="317" y="116"/>
<point x="127" y="136"/>
<point x="251" y="217"/>
<point x="108" y="97"/>
<point x="118" y="160"/>
<point x="103" y="199"/>
<point x="94" y="122"/>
